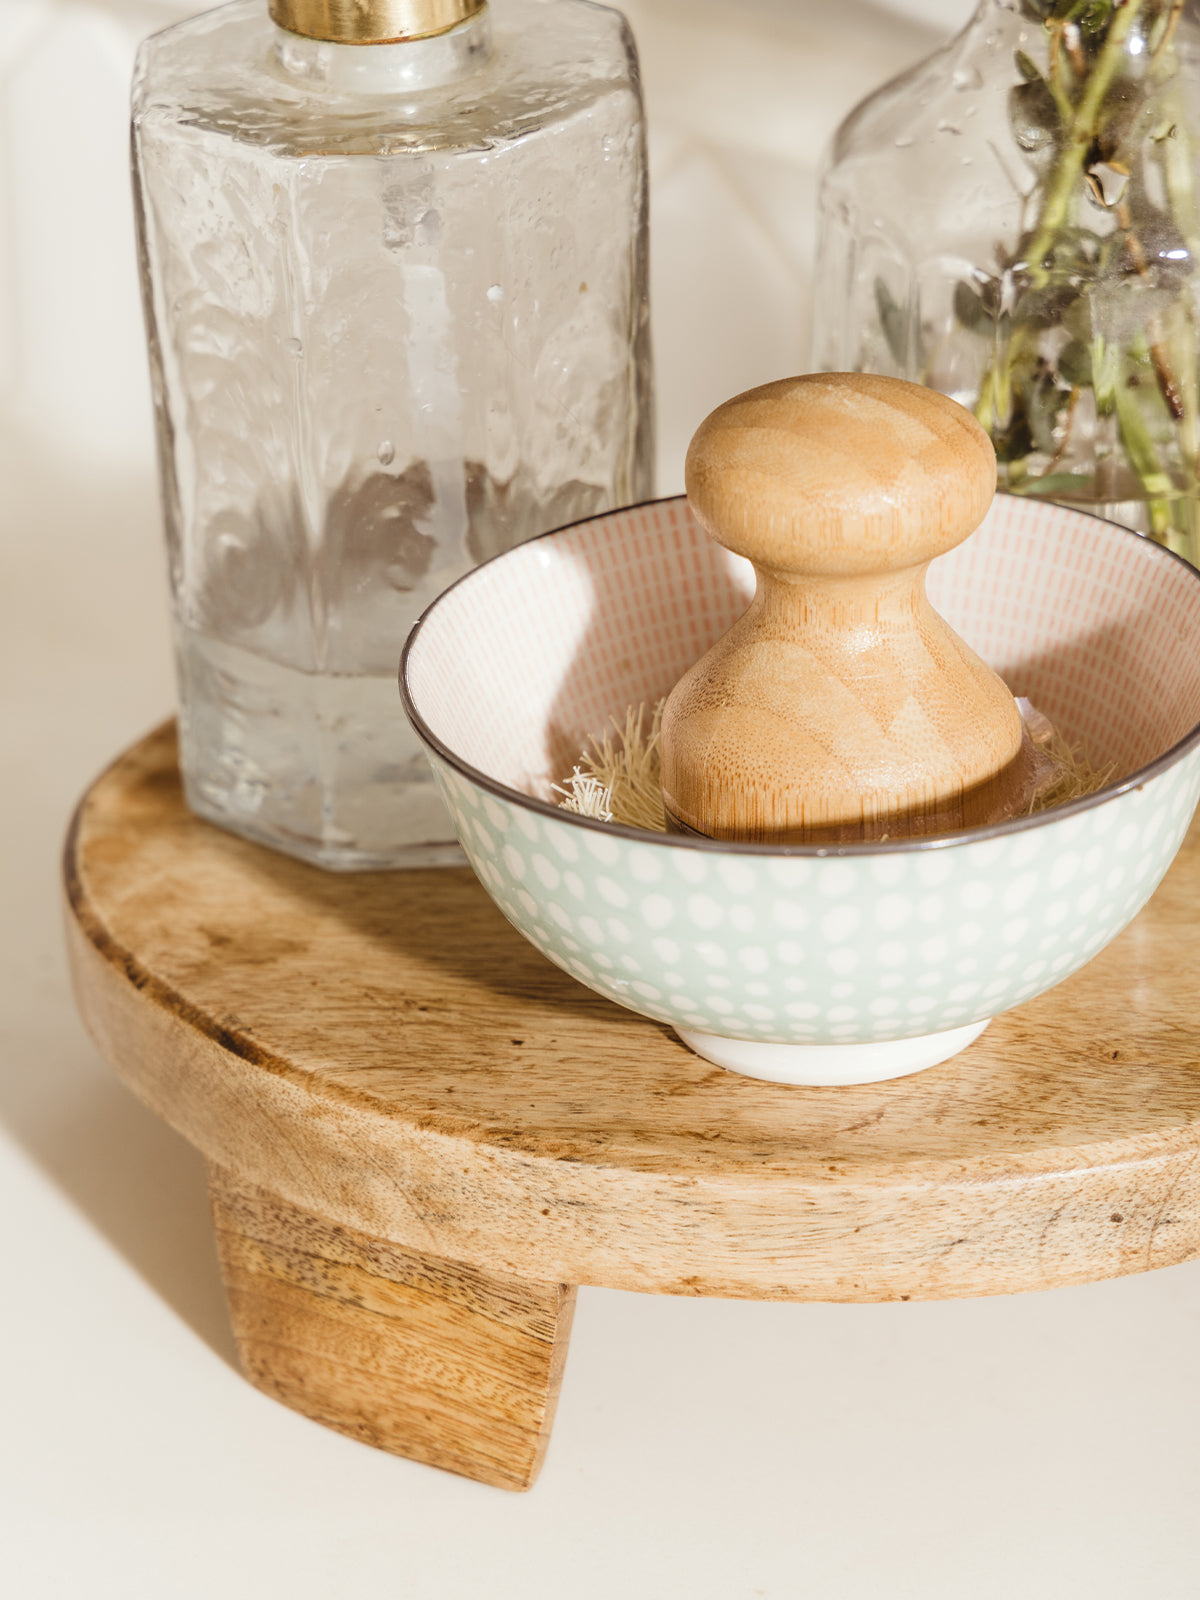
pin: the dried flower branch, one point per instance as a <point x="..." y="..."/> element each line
<point x="1093" y="300"/>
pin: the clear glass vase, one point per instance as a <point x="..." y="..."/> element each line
<point x="1015" y="222"/>
<point x="396" y="299"/>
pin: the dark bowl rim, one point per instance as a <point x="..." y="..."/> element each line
<point x="620" y="830"/>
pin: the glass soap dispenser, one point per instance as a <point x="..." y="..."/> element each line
<point x="394" y="266"/>
<point x="1016" y="221"/>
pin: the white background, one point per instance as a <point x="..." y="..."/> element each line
<point x="1035" y="1448"/>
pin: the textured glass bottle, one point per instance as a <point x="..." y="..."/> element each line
<point x="396" y="299"/>
<point x="1015" y="222"/>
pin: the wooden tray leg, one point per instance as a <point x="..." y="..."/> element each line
<point x="424" y="1357"/>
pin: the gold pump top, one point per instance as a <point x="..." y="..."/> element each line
<point x="371" y="21"/>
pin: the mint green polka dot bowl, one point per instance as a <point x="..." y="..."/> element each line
<point x="799" y="964"/>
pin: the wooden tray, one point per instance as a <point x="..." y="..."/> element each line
<point x="422" y="1135"/>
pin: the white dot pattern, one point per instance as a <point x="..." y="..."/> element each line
<point x="870" y="965"/>
<point x="517" y="665"/>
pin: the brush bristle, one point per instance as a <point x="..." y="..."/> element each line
<point x="618" y="778"/>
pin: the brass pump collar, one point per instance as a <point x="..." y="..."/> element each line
<point x="371" y="21"/>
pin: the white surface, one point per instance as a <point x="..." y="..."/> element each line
<point x="1035" y="1448"/>
<point x="831" y="1065"/>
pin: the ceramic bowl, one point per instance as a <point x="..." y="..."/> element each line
<point x="801" y="964"/>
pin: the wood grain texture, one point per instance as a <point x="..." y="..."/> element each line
<point x="841" y="706"/>
<point x="425" y="1358"/>
<point x="384" y="1051"/>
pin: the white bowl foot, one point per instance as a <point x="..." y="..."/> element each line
<point x="831" y="1064"/>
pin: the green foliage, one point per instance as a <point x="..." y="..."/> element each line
<point x="1027" y="67"/>
<point x="1113" y="233"/>
<point x="1033" y="115"/>
<point x="893" y="322"/>
<point x="1092" y="14"/>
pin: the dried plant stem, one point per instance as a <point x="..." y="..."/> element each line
<point x="1178" y="166"/>
<point x="994" y="405"/>
<point x="1085" y="93"/>
<point x="1081" y="131"/>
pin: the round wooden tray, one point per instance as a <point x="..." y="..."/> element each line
<point x="421" y="1133"/>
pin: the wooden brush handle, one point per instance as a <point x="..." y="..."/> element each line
<point x="841" y="706"/>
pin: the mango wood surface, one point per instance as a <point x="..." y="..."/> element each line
<point x="421" y="1357"/>
<point x="384" y="1052"/>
